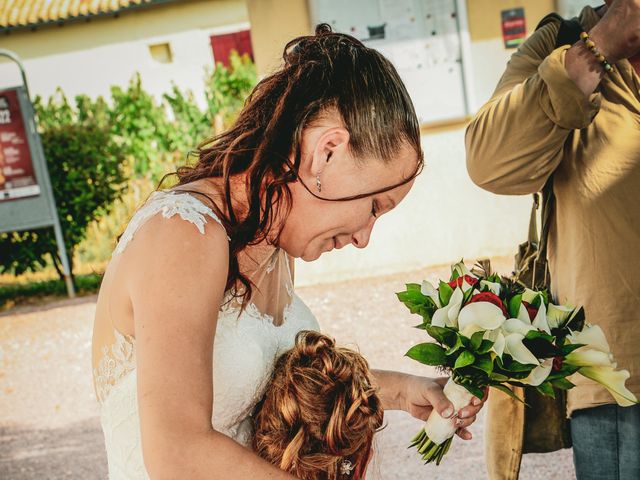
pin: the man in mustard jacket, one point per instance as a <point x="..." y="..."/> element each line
<point x="561" y="113"/>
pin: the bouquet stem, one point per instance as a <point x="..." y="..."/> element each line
<point x="434" y="439"/>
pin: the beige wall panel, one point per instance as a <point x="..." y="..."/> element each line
<point x="485" y="21"/>
<point x="273" y="24"/>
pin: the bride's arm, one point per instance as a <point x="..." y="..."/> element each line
<point x="176" y="279"/>
<point x="420" y="395"/>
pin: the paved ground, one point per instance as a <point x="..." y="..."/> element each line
<point x="49" y="425"/>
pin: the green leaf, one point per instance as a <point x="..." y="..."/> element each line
<point x="476" y="340"/>
<point x="456" y="346"/>
<point x="570" y="347"/>
<point x="540" y="346"/>
<point x="562" y="384"/>
<point x="514" y="305"/>
<point x="537" y="334"/>
<point x="485" y="346"/>
<point x="428" y="354"/>
<point x="508" y="391"/>
<point x="454" y="274"/>
<point x="510" y="365"/>
<point x="546" y="389"/>
<point x="466" y="358"/>
<point x="445" y="292"/>
<point x="484" y="363"/>
<point x="498" y="377"/>
<point x="442" y="335"/>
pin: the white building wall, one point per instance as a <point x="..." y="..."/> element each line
<point x="89" y="58"/>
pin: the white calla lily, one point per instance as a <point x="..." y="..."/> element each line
<point x="523" y="315"/>
<point x="614" y="381"/>
<point x="480" y="316"/>
<point x="593" y="336"/>
<point x="557" y="315"/>
<point x="514" y="347"/>
<point x="493" y="287"/>
<point x="589" y="357"/>
<point x="529" y="295"/>
<point x="447" y="316"/>
<point x="540" y="373"/>
<point x="515" y="325"/>
<point x="497" y="337"/>
<point x="461" y="269"/>
<point x="430" y="291"/>
<point x="540" y="322"/>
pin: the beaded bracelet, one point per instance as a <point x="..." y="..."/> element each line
<point x="590" y="44"/>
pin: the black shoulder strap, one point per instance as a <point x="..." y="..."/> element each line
<point x="569" y="32"/>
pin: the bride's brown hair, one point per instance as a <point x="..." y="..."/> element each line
<point x="323" y="72"/>
<point x="320" y="410"/>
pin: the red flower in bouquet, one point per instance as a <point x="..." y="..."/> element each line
<point x="533" y="311"/>
<point x="557" y="363"/>
<point x="466" y="278"/>
<point x="491" y="298"/>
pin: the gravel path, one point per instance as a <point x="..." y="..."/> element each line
<point x="49" y="423"/>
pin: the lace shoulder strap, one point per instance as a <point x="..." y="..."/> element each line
<point x="169" y="203"/>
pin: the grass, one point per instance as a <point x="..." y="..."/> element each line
<point x="20" y="293"/>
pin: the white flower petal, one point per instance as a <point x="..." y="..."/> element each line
<point x="540" y="322"/>
<point x="529" y="295"/>
<point x="484" y="315"/>
<point x="497" y="338"/>
<point x="493" y="287"/>
<point x="523" y="314"/>
<point x="589" y="357"/>
<point x="514" y="347"/>
<point x="461" y="269"/>
<point x="613" y="381"/>
<point x="540" y="373"/>
<point x="592" y="336"/>
<point x="440" y="317"/>
<point x="557" y="315"/>
<point x="430" y="291"/>
<point x="515" y="325"/>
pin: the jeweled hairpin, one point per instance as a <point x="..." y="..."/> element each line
<point x="346" y="467"/>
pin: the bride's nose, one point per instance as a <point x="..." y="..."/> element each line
<point x="360" y="239"/>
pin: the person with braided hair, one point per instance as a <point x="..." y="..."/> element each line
<point x="320" y="412"/>
<point x="197" y="301"/>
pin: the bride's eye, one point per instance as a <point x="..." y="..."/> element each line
<point x="374" y="209"/>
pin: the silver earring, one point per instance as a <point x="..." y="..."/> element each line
<point x="318" y="183"/>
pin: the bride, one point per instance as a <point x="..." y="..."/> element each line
<point x="198" y="303"/>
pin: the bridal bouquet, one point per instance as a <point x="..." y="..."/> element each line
<point x="491" y="332"/>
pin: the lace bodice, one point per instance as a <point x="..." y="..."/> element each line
<point x="246" y="346"/>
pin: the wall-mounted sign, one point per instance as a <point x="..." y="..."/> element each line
<point x="514" y="27"/>
<point x="17" y="176"/>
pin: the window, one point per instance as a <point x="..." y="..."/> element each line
<point x="221" y="45"/>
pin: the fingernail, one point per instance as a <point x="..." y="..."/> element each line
<point x="462" y="414"/>
<point x="468" y="436"/>
<point x="476" y="401"/>
<point x="448" y="412"/>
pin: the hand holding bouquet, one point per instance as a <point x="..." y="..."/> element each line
<point x="491" y="332"/>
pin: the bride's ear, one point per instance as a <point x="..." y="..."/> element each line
<point x="331" y="146"/>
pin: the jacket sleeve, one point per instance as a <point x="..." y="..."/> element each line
<point x="516" y="140"/>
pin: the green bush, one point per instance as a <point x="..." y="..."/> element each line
<point x="19" y="292"/>
<point x="93" y="145"/>
<point x="86" y="173"/>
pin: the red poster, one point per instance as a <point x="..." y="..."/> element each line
<point x="17" y="178"/>
<point x="514" y="27"/>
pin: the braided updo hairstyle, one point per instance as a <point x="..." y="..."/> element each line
<point x="323" y="72"/>
<point x="319" y="411"/>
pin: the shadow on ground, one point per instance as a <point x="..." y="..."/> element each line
<point x="73" y="451"/>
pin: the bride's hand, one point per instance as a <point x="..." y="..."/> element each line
<point x="422" y="395"/>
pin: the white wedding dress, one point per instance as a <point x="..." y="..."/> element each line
<point x="247" y="343"/>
